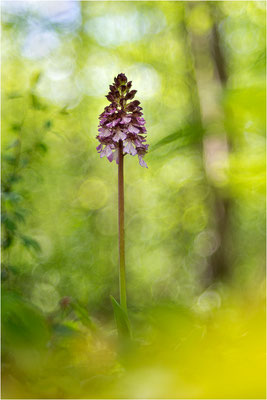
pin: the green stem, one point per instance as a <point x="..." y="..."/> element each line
<point x="121" y="229"/>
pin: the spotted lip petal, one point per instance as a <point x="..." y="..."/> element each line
<point x="122" y="120"/>
<point x="103" y="132"/>
<point x="106" y="151"/>
<point x="129" y="148"/>
<point x="133" y="129"/>
<point x="113" y="123"/>
<point x="120" y="135"/>
<point x="125" y="120"/>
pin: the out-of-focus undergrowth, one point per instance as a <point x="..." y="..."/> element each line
<point x="203" y="352"/>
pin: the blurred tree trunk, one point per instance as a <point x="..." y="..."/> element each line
<point x="212" y="146"/>
<point x="220" y="259"/>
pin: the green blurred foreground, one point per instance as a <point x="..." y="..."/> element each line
<point x="205" y="352"/>
<point x="195" y="220"/>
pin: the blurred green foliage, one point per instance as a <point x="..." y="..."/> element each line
<point x="195" y="220"/>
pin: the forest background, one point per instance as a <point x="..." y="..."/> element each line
<point x="195" y="219"/>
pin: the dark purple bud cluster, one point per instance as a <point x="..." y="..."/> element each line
<point x="122" y="121"/>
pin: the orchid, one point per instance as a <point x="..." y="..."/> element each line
<point x="122" y="123"/>
<point x="122" y="131"/>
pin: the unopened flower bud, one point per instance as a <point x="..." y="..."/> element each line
<point x="122" y="78"/>
<point x="110" y="97"/>
<point x="130" y="95"/>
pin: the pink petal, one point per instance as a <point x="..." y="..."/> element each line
<point x="138" y="142"/>
<point x="129" y="148"/>
<point x="106" y="152"/>
<point x="110" y="157"/>
<point x="125" y="120"/>
<point x="103" y="132"/>
<point x="141" y="121"/>
<point x="142" y="162"/>
<point x="133" y="129"/>
<point x="120" y="135"/>
<point x="114" y="122"/>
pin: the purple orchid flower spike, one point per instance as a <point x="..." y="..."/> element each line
<point x="122" y="123"/>
<point x="122" y="131"/>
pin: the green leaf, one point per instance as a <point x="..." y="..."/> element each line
<point x="22" y="324"/>
<point x="15" y="270"/>
<point x="16" y="128"/>
<point x="36" y="104"/>
<point x="14" y="95"/>
<point x="12" y="197"/>
<point x="42" y="147"/>
<point x="13" y="178"/>
<point x="8" y="222"/>
<point x="35" y="78"/>
<point x="13" y="144"/>
<point x="82" y="314"/>
<point x="9" y="158"/>
<point x="30" y="243"/>
<point x="122" y="320"/>
<point x="64" y="111"/>
<point x="19" y="216"/>
<point x="184" y="136"/>
<point x="65" y="330"/>
<point x="260" y="60"/>
<point x="7" y="241"/>
<point x="48" y="124"/>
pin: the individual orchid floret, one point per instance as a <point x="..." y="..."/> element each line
<point x="122" y="123"/>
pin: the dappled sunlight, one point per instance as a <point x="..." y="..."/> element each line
<point x="117" y="29"/>
<point x="194" y="219"/>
